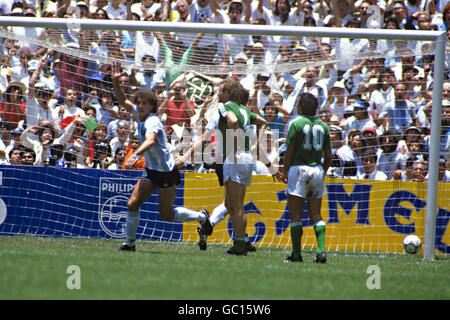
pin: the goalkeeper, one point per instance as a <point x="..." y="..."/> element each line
<point x="307" y="141"/>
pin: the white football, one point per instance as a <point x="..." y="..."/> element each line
<point x="412" y="244"/>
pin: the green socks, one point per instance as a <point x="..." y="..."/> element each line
<point x="319" y="229"/>
<point x="296" y="237"/>
<point x="239" y="245"/>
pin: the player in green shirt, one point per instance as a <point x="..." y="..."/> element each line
<point x="308" y="140"/>
<point x="238" y="160"/>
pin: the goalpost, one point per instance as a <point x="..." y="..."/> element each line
<point x="208" y="66"/>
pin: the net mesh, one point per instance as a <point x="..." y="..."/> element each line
<point x="357" y="83"/>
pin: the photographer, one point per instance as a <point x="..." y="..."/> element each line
<point x="102" y="156"/>
<point x="178" y="108"/>
<point x="41" y="138"/>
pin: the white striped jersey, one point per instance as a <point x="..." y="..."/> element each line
<point x="158" y="157"/>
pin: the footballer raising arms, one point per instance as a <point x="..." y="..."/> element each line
<point x="161" y="171"/>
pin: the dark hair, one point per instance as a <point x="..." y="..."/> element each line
<point x="102" y="147"/>
<point x="308" y="104"/>
<point x="149" y="96"/>
<point x="19" y="148"/>
<point x="243" y="96"/>
<point x="277" y="13"/>
<point x="28" y="150"/>
<point x="47" y="127"/>
<point x="235" y="6"/>
<point x="121" y="148"/>
<point x="234" y="87"/>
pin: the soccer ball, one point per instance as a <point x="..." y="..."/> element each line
<point x="412" y="244"/>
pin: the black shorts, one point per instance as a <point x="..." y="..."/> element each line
<point x="219" y="172"/>
<point x="164" y="180"/>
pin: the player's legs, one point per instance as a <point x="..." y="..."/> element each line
<point x="295" y="206"/>
<point x="234" y="202"/>
<point x="142" y="190"/>
<point x="314" y="209"/>
<point x="219" y="213"/>
<point x="168" y="213"/>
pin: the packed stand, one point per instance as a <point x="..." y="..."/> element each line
<point x="59" y="109"/>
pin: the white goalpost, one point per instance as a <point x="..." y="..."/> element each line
<point x="209" y="66"/>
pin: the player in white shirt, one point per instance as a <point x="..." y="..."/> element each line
<point x="161" y="171"/>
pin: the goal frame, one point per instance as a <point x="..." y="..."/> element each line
<point x="439" y="37"/>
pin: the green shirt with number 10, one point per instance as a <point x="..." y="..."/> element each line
<point x="311" y="137"/>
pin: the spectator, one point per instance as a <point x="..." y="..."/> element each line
<point x="27" y="157"/>
<point x="75" y="147"/>
<point x="420" y="171"/>
<point x="309" y="84"/>
<point x="144" y="8"/>
<point x="444" y="173"/>
<point x="275" y="121"/>
<point x="350" y="155"/>
<point x="106" y="110"/>
<point x="445" y="132"/>
<point x="98" y="135"/>
<point x="15" y="155"/>
<point x="175" y="55"/>
<point x="70" y="69"/>
<point x="411" y="134"/>
<point x="40" y="139"/>
<point x="261" y="93"/>
<point x="338" y="94"/>
<point x="390" y="160"/>
<point x="283" y="15"/>
<point x="369" y="161"/>
<point x="14" y="140"/>
<point x="400" y="113"/>
<point x="12" y="108"/>
<point x="139" y="164"/>
<point x="234" y="43"/>
<point x="148" y="78"/>
<point x="123" y="135"/>
<point x="336" y="137"/>
<point x="348" y="48"/>
<point x="360" y="119"/>
<point x="123" y="115"/>
<point x="178" y="108"/>
<point x="384" y="92"/>
<point x="39" y="95"/>
<point x="116" y="10"/>
<point x="69" y="109"/>
<point x="119" y="157"/>
<point x="102" y="154"/>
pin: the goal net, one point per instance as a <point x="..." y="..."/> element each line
<point x="375" y="92"/>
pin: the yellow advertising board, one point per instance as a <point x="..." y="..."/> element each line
<point x="368" y="216"/>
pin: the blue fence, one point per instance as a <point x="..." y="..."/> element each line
<point x="50" y="201"/>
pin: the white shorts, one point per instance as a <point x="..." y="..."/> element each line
<point x="306" y="182"/>
<point x="239" y="169"/>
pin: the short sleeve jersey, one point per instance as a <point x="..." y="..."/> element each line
<point x="158" y="157"/>
<point x="310" y="136"/>
<point x="245" y="119"/>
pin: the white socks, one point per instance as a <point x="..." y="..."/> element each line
<point x="185" y="214"/>
<point x="219" y="213"/>
<point x="131" y="228"/>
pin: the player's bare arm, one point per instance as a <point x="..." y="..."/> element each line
<point x="147" y="144"/>
<point x="116" y="73"/>
<point x="327" y="157"/>
<point x="288" y="157"/>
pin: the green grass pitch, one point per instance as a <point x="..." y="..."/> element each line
<point x="37" y="268"/>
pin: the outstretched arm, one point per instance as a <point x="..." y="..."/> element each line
<point x="116" y="73"/>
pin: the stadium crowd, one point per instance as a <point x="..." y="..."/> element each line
<point x="59" y="109"/>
